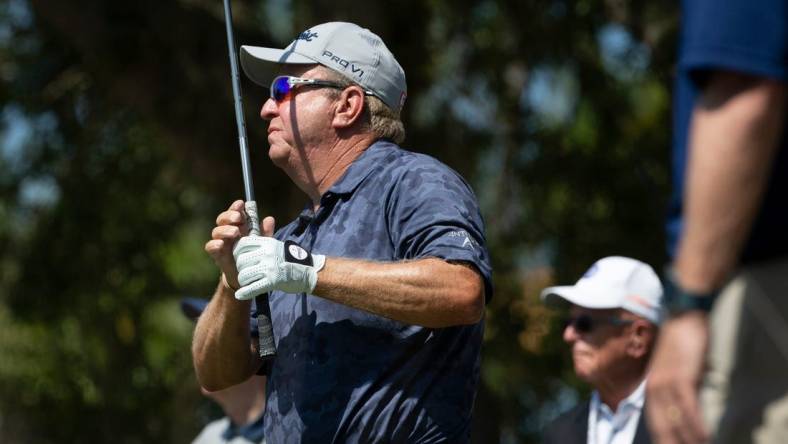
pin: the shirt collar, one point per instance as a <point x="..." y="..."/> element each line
<point x="370" y="160"/>
<point x="638" y="397"/>
<point x="635" y="399"/>
<point x="252" y="432"/>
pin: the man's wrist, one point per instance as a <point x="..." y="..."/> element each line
<point x="227" y="285"/>
<point x="318" y="262"/>
<point x="678" y="300"/>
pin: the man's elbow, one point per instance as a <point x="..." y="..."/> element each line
<point x="209" y="385"/>
<point x="213" y="382"/>
<point x="212" y="377"/>
<point x="207" y="379"/>
<point x="213" y="386"/>
<point x="470" y="300"/>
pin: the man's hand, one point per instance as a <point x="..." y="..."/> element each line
<point x="266" y="264"/>
<point x="230" y="227"/>
<point x="676" y="370"/>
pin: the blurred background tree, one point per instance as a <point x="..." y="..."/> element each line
<point x="118" y="148"/>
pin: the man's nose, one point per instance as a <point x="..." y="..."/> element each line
<point x="269" y="109"/>
<point x="570" y="334"/>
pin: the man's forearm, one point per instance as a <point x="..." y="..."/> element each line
<point x="428" y="292"/>
<point x="222" y="349"/>
<point x="734" y="134"/>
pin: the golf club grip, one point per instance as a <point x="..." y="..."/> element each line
<point x="252" y="217"/>
<point x="267" y="347"/>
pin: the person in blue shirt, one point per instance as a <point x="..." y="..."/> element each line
<point x="377" y="289"/>
<point x="728" y="231"/>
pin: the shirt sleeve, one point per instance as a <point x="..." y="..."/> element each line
<point x="749" y="37"/>
<point x="433" y="213"/>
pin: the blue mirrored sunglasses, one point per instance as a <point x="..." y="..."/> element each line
<point x="282" y="86"/>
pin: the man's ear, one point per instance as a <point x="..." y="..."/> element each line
<point x="641" y="339"/>
<point x="349" y="107"/>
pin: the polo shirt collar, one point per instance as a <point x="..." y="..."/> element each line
<point x="634" y="401"/>
<point x="369" y="161"/>
<point x="252" y="432"/>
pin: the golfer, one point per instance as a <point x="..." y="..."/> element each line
<point x="377" y="289"/>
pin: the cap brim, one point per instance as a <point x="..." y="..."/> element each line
<point x="261" y="64"/>
<point x="562" y="296"/>
<point x="193" y="307"/>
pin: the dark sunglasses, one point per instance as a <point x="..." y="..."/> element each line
<point x="282" y="86"/>
<point x="585" y="323"/>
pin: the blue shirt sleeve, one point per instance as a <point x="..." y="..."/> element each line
<point x="749" y="37"/>
<point x="433" y="213"/>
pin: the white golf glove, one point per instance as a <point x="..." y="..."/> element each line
<point x="266" y="264"/>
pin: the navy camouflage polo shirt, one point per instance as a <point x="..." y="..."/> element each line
<point x="345" y="375"/>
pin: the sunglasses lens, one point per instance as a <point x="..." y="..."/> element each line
<point x="280" y="88"/>
<point x="584" y="324"/>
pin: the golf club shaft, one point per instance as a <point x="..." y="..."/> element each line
<point x="265" y="330"/>
<point x="246" y="170"/>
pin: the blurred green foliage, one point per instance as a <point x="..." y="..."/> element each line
<point x="118" y="148"/>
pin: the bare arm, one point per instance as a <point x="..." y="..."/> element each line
<point x="429" y="292"/>
<point x="222" y="350"/>
<point x="733" y="138"/>
<point x="735" y="129"/>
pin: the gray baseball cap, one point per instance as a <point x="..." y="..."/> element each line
<point x="353" y="51"/>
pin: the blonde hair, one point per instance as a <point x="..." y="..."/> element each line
<point x="377" y="117"/>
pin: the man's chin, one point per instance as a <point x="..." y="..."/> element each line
<point x="278" y="156"/>
<point x="582" y="369"/>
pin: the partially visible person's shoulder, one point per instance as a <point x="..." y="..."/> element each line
<point x="569" y="427"/>
<point x="212" y="433"/>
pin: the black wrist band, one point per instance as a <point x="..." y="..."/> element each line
<point x="677" y="300"/>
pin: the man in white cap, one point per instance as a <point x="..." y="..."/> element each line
<point x="377" y="289"/>
<point x="614" y="314"/>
